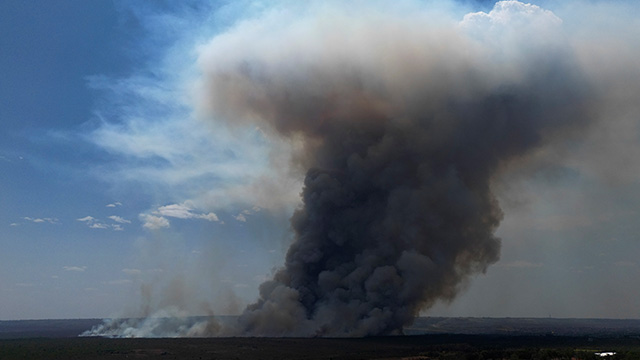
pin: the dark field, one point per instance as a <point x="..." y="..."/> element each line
<point x="500" y="339"/>
<point x="402" y="347"/>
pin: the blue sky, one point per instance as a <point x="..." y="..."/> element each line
<point x="115" y="196"/>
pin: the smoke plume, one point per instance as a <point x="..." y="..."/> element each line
<point x="404" y="118"/>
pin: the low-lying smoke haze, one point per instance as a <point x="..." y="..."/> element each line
<point x="402" y="120"/>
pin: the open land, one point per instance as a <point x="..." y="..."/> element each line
<point x="502" y="339"/>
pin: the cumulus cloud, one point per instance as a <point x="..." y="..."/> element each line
<point x="115" y="204"/>
<point x="153" y="222"/>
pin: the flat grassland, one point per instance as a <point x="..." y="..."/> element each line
<point x="398" y="347"/>
<point x="428" y="338"/>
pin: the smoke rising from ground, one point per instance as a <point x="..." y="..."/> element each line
<point x="400" y="119"/>
<point x="404" y="120"/>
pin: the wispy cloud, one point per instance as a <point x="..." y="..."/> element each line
<point x="94" y="223"/>
<point x="159" y="217"/>
<point x="242" y="216"/>
<point x="120" y="220"/>
<point x="74" y="268"/>
<point x="149" y="125"/>
<point x="183" y="211"/>
<point x="41" y="220"/>
<point x="115" y="204"/>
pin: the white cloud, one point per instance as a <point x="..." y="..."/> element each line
<point x="94" y="223"/>
<point x="242" y="215"/>
<point x="41" y="220"/>
<point x="112" y="205"/>
<point x="183" y="211"/>
<point x="152" y="222"/>
<point x="13" y="224"/>
<point x="210" y="216"/>
<point x="175" y="210"/>
<point x="120" y="220"/>
<point x="74" y="268"/>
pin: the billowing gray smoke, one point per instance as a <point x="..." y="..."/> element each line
<point x="400" y="120"/>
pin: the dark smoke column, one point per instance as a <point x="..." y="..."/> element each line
<point x="403" y="126"/>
